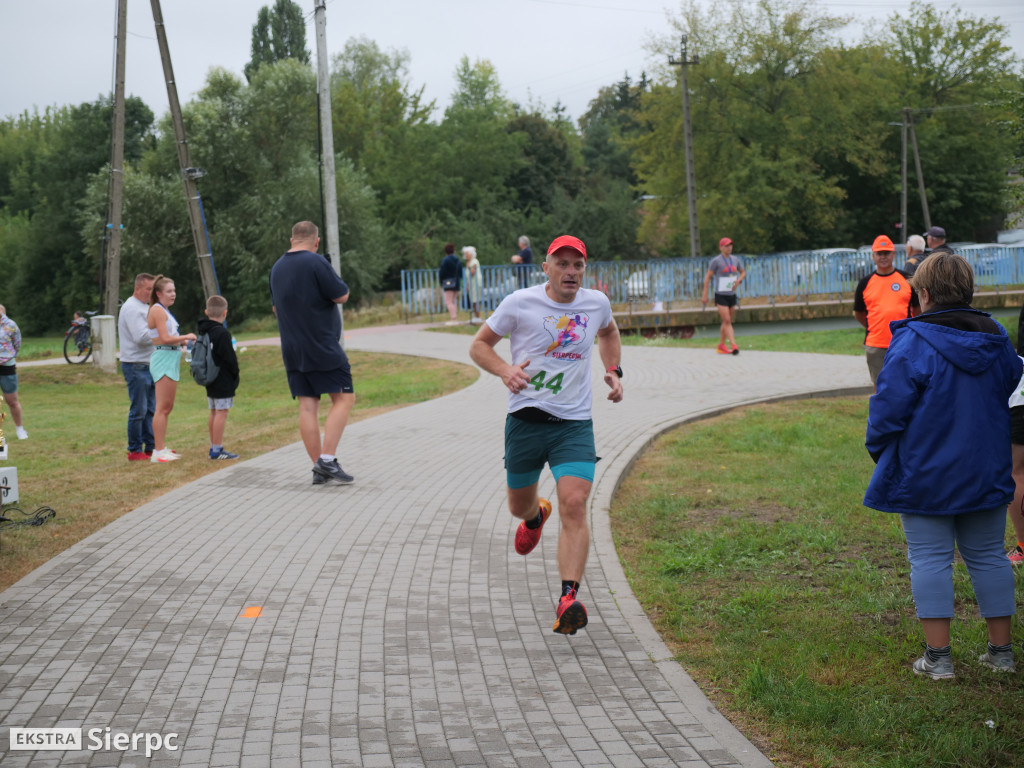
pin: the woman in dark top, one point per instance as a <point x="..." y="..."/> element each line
<point x="450" y="275"/>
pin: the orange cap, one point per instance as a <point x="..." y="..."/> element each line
<point x="882" y="243"/>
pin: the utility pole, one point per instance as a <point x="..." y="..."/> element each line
<point x="903" y="177"/>
<point x="112" y="236"/>
<point x="691" y="182"/>
<point x="330" y="191"/>
<point x="189" y="175"/>
<point x="907" y="125"/>
<point x="920" y="175"/>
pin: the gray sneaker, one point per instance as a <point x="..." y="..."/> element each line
<point x="936" y="670"/>
<point x="999" y="662"/>
<point x="332" y="471"/>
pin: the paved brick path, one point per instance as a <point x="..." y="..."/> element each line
<point x="397" y="625"/>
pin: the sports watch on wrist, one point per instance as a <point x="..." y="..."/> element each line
<point x="616" y="369"/>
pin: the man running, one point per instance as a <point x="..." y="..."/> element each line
<point x="551" y="328"/>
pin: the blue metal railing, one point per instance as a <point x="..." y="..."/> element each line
<point x="793" y="276"/>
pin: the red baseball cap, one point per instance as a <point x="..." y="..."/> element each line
<point x="882" y="243"/>
<point x="568" y="241"/>
<point x="724" y="242"/>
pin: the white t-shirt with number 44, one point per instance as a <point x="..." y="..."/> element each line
<point x="558" y="340"/>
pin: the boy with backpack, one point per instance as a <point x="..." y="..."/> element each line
<point x="215" y="366"/>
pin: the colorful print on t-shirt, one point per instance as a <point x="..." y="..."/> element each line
<point x="565" y="331"/>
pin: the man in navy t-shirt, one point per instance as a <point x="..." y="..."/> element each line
<point x="305" y="292"/>
<point x="524" y="261"/>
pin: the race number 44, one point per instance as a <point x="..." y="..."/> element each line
<point x="541" y="381"/>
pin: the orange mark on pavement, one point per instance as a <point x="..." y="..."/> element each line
<point x="252" y="613"/>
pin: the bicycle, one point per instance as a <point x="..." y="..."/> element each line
<point x="78" y="340"/>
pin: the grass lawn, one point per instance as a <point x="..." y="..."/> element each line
<point x="840" y="341"/>
<point x="74" y="460"/>
<point x="789" y="602"/>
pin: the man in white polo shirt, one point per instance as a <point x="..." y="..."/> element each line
<point x="136" y="349"/>
<point x="552" y="328"/>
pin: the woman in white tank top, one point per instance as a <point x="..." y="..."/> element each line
<point x="165" y="363"/>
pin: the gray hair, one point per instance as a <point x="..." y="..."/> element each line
<point x="524" y="241"/>
<point x="470" y="250"/>
<point x="947" y="277"/>
<point x="3" y="309"/>
<point x="916" y="242"/>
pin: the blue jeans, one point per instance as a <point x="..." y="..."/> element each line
<point x="979" y="537"/>
<point x="142" y="395"/>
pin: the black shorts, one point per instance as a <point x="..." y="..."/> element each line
<point x="725" y="300"/>
<point x="1017" y="425"/>
<point x="316" y="383"/>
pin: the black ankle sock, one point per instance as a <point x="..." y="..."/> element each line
<point x="537" y="522"/>
<point x="934" y="654"/>
<point x="570" y="587"/>
<point x="999" y="648"/>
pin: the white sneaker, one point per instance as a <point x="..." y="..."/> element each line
<point x="21" y="433"/>
<point x="163" y="457"/>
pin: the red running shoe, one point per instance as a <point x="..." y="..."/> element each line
<point x="723" y="350"/>
<point x="570" y="616"/>
<point x="527" y="538"/>
<point x="1016" y="555"/>
<point x="137" y="456"/>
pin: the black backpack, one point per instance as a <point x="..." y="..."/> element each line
<point x="204" y="370"/>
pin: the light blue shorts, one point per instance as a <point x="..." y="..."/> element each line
<point x="165" y="362"/>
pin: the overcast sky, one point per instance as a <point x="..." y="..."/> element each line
<point x="56" y="52"/>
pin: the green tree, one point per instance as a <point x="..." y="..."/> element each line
<point x="549" y="168"/>
<point x="279" y="33"/>
<point x="46" y="162"/>
<point x="375" y="110"/>
<point x="1012" y="99"/>
<point x="157" y="236"/>
<point x="257" y="144"/>
<point x="946" y="57"/>
<point x="951" y="69"/>
<point x="757" y="146"/>
<point x="609" y="126"/>
<point x="454" y="176"/>
<point x="793" y="138"/>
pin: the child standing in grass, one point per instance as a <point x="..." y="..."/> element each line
<point x="221" y="392"/>
<point x="939" y="432"/>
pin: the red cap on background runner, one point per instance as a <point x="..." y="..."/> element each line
<point x="568" y="241"/>
<point x="724" y="242"/>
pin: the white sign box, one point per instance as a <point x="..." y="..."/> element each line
<point x="8" y="485"/>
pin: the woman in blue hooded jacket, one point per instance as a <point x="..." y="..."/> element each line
<point x="939" y="432"/>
